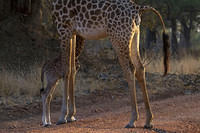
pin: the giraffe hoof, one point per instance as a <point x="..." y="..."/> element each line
<point x="47" y="125"/>
<point x="130" y="126"/>
<point x="148" y="126"/>
<point x="61" y="122"/>
<point x="72" y="119"/>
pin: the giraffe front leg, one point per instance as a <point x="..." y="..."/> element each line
<point x="78" y="44"/>
<point x="66" y="68"/>
<point x="72" y="107"/>
<point x="46" y="98"/>
<point x="44" y="111"/>
<point x="48" y="111"/>
<point x="53" y="86"/>
<point x="64" y="108"/>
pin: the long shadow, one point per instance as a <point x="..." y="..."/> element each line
<point x="157" y="130"/>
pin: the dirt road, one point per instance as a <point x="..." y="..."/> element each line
<point x="110" y="113"/>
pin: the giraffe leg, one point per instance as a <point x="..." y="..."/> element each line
<point x="134" y="108"/>
<point x="64" y="107"/>
<point x="65" y="36"/>
<point x="49" y="102"/>
<point x="46" y="97"/>
<point x="79" y="42"/>
<point x="44" y="111"/>
<point x="140" y="75"/>
<point x="122" y="51"/>
<point x="72" y="107"/>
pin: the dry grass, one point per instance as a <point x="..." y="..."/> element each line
<point x="24" y="88"/>
<point x="186" y="65"/>
<point x="19" y="86"/>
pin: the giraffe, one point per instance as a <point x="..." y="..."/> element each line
<point x="118" y="20"/>
<point x="53" y="73"/>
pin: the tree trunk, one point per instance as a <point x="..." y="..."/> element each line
<point x="174" y="37"/>
<point x="187" y="25"/>
<point x="8" y="7"/>
<point x="150" y="37"/>
<point x="5" y="8"/>
<point x="186" y="31"/>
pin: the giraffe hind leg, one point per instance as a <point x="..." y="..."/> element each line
<point x="140" y="75"/>
<point x="122" y="51"/>
<point x="134" y="113"/>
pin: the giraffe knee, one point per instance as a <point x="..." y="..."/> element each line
<point x="140" y="71"/>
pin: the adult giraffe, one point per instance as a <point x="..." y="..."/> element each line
<point x="119" y="20"/>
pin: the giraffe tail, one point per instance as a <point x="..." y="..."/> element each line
<point x="166" y="43"/>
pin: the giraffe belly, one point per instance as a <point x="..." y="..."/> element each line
<point x="92" y="33"/>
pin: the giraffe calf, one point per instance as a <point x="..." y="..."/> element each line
<point x="53" y="73"/>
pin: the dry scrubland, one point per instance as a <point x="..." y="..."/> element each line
<point x="101" y="89"/>
<point x="23" y="87"/>
<point x="27" y="40"/>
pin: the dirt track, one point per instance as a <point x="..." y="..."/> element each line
<point x="111" y="114"/>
